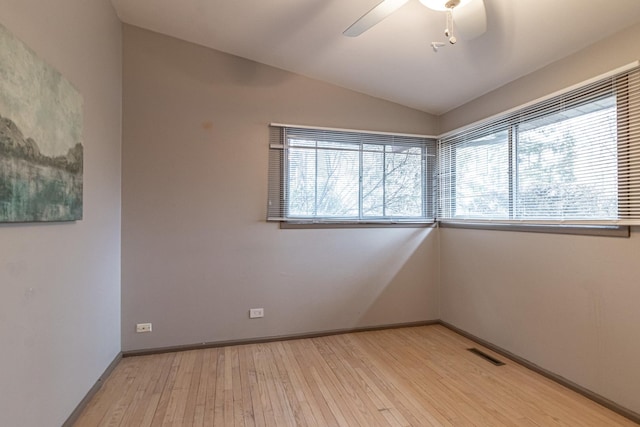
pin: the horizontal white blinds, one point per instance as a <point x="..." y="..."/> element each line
<point x="570" y="159"/>
<point x="326" y="175"/>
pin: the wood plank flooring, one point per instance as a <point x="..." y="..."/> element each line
<point x="418" y="376"/>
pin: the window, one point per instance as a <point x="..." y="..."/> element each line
<point x="321" y="175"/>
<point x="573" y="158"/>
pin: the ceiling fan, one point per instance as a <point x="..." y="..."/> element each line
<point x="469" y="16"/>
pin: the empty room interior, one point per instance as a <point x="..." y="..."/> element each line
<point x="308" y="212"/>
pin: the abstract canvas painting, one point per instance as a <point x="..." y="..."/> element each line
<point x="41" y="152"/>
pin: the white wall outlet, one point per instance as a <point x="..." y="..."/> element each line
<point x="256" y="312"/>
<point x="143" y="327"/>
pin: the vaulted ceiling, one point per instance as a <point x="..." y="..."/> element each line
<point x="394" y="59"/>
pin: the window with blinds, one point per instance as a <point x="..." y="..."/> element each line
<point x="326" y="175"/>
<point x="573" y="158"/>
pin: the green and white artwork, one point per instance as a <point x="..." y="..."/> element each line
<point x="40" y="138"/>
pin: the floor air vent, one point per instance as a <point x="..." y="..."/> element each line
<point x="485" y="356"/>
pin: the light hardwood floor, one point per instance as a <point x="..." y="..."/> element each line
<point x="418" y="376"/>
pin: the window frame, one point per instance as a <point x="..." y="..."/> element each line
<point x="508" y="121"/>
<point x="281" y="191"/>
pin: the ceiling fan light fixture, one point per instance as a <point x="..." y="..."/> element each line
<point x="443" y="5"/>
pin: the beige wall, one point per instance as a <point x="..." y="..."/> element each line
<point x="566" y="303"/>
<point x="197" y="252"/>
<point x="60" y="283"/>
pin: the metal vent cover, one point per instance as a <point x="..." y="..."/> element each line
<point x="486" y="357"/>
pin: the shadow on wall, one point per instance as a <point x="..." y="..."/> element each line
<point x="394" y="280"/>
<point x="387" y="277"/>
<point x="404" y="287"/>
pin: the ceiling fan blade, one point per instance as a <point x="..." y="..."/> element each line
<point x="471" y="19"/>
<point x="375" y="15"/>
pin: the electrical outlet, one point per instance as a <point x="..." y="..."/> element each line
<point x="256" y="312"/>
<point x="143" y="327"/>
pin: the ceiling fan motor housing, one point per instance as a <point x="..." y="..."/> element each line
<point x="450" y="4"/>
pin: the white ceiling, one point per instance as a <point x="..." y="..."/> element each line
<point x="393" y="60"/>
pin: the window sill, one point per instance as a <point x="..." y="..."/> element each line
<point x="580" y="230"/>
<point x="293" y="225"/>
<point x="576" y="230"/>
